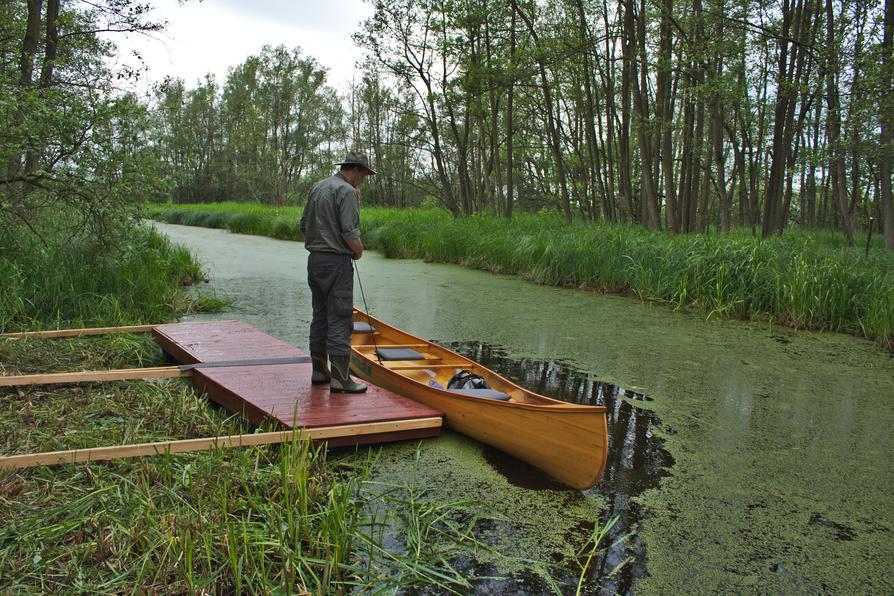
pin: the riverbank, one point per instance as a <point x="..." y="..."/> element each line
<point x="801" y="280"/>
<point x="53" y="280"/>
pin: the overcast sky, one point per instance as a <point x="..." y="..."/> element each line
<point x="214" y="35"/>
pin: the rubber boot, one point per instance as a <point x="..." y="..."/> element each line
<point x="341" y="376"/>
<point x="321" y="373"/>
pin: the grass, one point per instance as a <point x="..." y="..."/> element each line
<point x="262" y="519"/>
<point x="78" y="282"/>
<point x="282" y="518"/>
<point x="805" y="280"/>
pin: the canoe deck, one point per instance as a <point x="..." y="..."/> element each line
<point x="281" y="395"/>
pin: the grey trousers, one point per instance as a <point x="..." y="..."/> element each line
<point x="331" y="280"/>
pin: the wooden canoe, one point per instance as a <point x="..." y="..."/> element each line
<point x="567" y="441"/>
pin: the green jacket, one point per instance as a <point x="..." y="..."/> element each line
<point x="331" y="216"/>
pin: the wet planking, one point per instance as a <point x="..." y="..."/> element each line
<point x="636" y="462"/>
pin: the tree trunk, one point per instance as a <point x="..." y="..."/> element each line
<point x="15" y="189"/>
<point x="595" y="167"/>
<point x="624" y="156"/>
<point x="886" y="138"/>
<point x="833" y="126"/>
<point x="510" y="130"/>
<point x="664" y="109"/>
<point x="651" y="207"/>
<point x="29" y="43"/>
<point x="552" y="123"/>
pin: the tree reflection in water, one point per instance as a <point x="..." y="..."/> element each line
<point x="636" y="458"/>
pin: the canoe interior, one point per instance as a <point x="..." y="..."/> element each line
<point x="440" y="364"/>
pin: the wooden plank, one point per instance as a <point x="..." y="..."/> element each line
<point x="336" y="433"/>
<point x="191" y="342"/>
<point x="284" y="394"/>
<point x="89" y="376"/>
<point x="89" y="331"/>
<point x="76" y="332"/>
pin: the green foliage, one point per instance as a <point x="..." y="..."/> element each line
<point x="70" y="139"/>
<point x="278" y="120"/>
<point x="804" y="280"/>
<point x="74" y="281"/>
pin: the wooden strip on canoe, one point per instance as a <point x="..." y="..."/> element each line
<point x="466" y="365"/>
<point x="328" y="434"/>
<point x="389" y="346"/>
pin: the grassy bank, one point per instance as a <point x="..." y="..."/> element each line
<point x="250" y="520"/>
<point x="803" y="280"/>
<point x="57" y="281"/>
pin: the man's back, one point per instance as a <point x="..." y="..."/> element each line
<point x="331" y="216"/>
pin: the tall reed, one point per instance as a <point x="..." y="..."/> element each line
<point x="807" y="280"/>
<point x="76" y="281"/>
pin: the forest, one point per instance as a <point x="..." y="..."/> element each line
<point x="680" y="116"/>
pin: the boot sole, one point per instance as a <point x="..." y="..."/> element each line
<point x="334" y="390"/>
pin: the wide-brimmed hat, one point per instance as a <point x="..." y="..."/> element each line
<point x="356" y="158"/>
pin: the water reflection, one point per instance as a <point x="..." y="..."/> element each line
<point x="636" y="457"/>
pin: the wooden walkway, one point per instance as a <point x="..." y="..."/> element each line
<point x="281" y="394"/>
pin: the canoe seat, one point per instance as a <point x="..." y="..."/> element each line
<point x="399" y="354"/>
<point x="361" y="327"/>
<point x="483" y="393"/>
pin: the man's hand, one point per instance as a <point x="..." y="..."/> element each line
<point x="356" y="247"/>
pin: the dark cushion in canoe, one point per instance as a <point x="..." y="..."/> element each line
<point x="399" y="354"/>
<point x="361" y="327"/>
<point x="482" y="393"/>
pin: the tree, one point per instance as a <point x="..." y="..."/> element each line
<point x="53" y="100"/>
<point x="886" y="117"/>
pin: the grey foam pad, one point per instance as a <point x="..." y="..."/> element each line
<point x="483" y="393"/>
<point x="361" y="327"/>
<point x="399" y="354"/>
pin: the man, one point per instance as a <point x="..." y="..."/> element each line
<point x="331" y="227"/>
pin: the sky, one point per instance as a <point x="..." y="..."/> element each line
<point x="214" y="35"/>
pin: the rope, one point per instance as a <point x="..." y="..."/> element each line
<point x="366" y="310"/>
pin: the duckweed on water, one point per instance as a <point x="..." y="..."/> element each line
<point x="802" y="279"/>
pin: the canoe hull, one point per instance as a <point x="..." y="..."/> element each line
<point x="567" y="441"/>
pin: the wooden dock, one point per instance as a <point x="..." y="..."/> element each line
<point x="245" y="382"/>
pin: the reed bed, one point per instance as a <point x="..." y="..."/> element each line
<point x="805" y="280"/>
<point x="64" y="281"/>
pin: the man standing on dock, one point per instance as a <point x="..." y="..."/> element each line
<point x="331" y="227"/>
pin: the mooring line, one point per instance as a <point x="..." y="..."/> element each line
<point x="366" y="310"/>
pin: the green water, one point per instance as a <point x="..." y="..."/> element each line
<point x="782" y="447"/>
